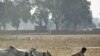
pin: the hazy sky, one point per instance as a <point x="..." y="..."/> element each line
<point x="95" y="7"/>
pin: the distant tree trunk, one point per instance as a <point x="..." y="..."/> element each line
<point x="4" y="26"/>
<point x="40" y="22"/>
<point x="57" y="26"/>
<point x="0" y="26"/>
<point x="17" y="28"/>
<point x="46" y="23"/>
<point x="75" y="26"/>
<point x="46" y="26"/>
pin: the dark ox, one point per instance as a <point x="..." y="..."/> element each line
<point x="81" y="53"/>
<point x="34" y="52"/>
<point x="12" y="51"/>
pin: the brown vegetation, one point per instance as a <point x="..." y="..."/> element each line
<point x="58" y="45"/>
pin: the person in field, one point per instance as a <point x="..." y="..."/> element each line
<point x="81" y="53"/>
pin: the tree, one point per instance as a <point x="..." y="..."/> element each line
<point x="76" y="13"/>
<point x="41" y="13"/>
<point x="21" y="12"/>
<point x="14" y="11"/>
<point x="57" y="16"/>
<point x="15" y="23"/>
<point x="12" y="14"/>
<point x="7" y="6"/>
<point x="73" y="14"/>
<point x="44" y="8"/>
<point x="24" y="8"/>
<point x="2" y="11"/>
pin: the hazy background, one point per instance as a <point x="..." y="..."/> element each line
<point x="95" y="11"/>
<point x="95" y="8"/>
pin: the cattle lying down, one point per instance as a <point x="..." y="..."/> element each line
<point x="81" y="53"/>
<point x="34" y="52"/>
<point x="12" y="51"/>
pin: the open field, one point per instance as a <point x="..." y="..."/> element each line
<point x="58" y="45"/>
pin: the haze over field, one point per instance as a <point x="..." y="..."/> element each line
<point x="49" y="14"/>
<point x="95" y="8"/>
<point x="96" y="11"/>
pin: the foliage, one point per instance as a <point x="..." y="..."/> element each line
<point x="14" y="11"/>
<point x="73" y="14"/>
<point x="77" y="13"/>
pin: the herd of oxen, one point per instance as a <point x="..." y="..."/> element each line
<point x="12" y="51"/>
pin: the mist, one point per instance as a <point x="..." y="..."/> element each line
<point x="26" y="15"/>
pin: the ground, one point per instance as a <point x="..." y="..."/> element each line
<point x="58" y="45"/>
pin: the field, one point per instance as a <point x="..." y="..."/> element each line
<point x="58" y="45"/>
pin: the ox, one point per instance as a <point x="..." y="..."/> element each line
<point x="34" y="52"/>
<point x="12" y="51"/>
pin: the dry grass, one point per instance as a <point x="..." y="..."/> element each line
<point x="58" y="45"/>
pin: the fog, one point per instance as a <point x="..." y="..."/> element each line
<point x="95" y="12"/>
<point x="29" y="26"/>
<point x="26" y="15"/>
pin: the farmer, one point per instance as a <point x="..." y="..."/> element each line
<point x="81" y="53"/>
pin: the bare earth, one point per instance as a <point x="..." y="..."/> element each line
<point x="58" y="45"/>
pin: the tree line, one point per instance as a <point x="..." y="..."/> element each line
<point x="66" y="14"/>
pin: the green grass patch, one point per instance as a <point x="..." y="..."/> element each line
<point x="7" y="37"/>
